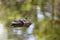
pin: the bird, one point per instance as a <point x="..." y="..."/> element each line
<point x="21" y="22"/>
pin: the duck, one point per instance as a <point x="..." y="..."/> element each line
<point x="21" y="22"/>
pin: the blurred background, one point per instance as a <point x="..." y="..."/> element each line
<point x="44" y="15"/>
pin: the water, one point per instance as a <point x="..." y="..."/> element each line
<point x="17" y="33"/>
<point x="3" y="32"/>
<point x="28" y="35"/>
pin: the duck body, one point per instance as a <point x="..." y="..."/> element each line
<point x="21" y="23"/>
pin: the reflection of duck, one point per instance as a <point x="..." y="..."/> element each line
<point x="21" y="22"/>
